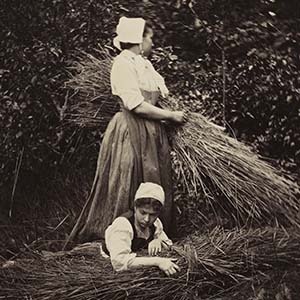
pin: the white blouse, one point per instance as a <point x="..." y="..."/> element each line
<point x="132" y="73"/>
<point x="118" y="237"/>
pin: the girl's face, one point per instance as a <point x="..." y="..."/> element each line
<point x="147" y="42"/>
<point x="145" y="215"/>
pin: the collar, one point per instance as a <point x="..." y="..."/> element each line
<point x="128" y="54"/>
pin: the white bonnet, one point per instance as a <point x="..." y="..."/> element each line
<point x="129" y="30"/>
<point x="150" y="190"/>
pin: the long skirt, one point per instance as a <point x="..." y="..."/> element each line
<point x="133" y="150"/>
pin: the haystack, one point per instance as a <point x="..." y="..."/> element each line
<point x="217" y="265"/>
<point x="224" y="172"/>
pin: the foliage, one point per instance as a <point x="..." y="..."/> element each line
<point x="261" y="104"/>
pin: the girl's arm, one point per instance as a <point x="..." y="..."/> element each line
<point x="118" y="237"/>
<point x="167" y="265"/>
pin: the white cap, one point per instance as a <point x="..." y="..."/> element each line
<point x="129" y="30"/>
<point x="150" y="190"/>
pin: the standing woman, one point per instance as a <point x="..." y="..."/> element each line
<point x="135" y="147"/>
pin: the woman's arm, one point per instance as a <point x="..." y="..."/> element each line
<point x="150" y="111"/>
<point x="124" y="82"/>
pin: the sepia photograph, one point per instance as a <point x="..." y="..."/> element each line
<point x="150" y="149"/>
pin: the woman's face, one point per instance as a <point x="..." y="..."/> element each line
<point x="145" y="215"/>
<point x="147" y="42"/>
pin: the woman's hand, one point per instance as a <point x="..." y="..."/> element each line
<point x="179" y="117"/>
<point x="167" y="265"/>
<point x="154" y="247"/>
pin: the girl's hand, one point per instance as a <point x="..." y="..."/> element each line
<point x="179" y="117"/>
<point x="167" y="265"/>
<point x="154" y="247"/>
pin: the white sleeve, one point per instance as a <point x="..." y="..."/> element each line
<point x="118" y="237"/>
<point x="160" y="234"/>
<point x="124" y="83"/>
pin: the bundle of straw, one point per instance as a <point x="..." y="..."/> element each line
<point x="219" y="264"/>
<point x="94" y="104"/>
<point x="251" y="190"/>
<point x="209" y="162"/>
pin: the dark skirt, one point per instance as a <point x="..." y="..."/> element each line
<point x="133" y="150"/>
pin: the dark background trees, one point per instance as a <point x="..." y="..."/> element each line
<point x="43" y="157"/>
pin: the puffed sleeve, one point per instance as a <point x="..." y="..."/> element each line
<point x="160" y="234"/>
<point x="124" y="83"/>
<point x="118" y="237"/>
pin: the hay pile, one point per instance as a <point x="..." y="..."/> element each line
<point x="218" y="265"/>
<point x="91" y="103"/>
<point x="228" y="176"/>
